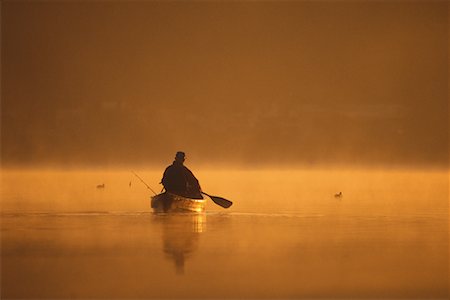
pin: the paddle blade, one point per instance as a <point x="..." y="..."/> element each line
<point x="221" y="201"/>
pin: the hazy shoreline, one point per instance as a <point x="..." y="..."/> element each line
<point x="228" y="167"/>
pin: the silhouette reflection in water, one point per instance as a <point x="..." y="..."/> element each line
<point x="180" y="234"/>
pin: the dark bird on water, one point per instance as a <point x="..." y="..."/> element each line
<point x="338" y="195"/>
<point x="101" y="186"/>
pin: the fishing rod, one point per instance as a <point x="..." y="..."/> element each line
<point x="144" y="182"/>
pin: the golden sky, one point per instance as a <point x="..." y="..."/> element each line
<point x="242" y="82"/>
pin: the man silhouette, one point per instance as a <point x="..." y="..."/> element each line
<point x="178" y="179"/>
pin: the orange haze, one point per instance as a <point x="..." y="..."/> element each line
<point x="243" y="83"/>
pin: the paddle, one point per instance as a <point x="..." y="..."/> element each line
<point x="219" y="200"/>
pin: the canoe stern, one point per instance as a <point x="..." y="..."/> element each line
<point x="167" y="202"/>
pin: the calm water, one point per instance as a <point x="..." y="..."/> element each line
<point x="286" y="236"/>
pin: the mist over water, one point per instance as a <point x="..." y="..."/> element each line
<point x="365" y="191"/>
<point x="385" y="237"/>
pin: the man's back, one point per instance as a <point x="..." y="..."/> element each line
<point x="174" y="178"/>
<point x="180" y="180"/>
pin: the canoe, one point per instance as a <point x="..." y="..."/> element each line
<point x="168" y="202"/>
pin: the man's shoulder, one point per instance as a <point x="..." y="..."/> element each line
<point x="188" y="172"/>
<point x="170" y="168"/>
<point x="174" y="167"/>
<point x="186" y="168"/>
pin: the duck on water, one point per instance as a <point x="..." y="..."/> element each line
<point x="182" y="190"/>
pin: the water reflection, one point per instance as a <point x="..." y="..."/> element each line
<point x="387" y="237"/>
<point x="180" y="236"/>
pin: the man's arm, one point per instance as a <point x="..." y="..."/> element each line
<point x="165" y="178"/>
<point x="192" y="180"/>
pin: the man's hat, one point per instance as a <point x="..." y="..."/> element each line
<point x="180" y="154"/>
